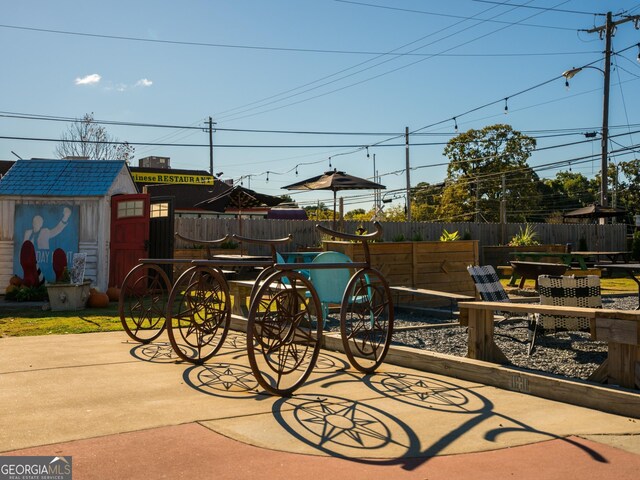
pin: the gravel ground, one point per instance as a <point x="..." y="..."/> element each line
<point x="570" y="354"/>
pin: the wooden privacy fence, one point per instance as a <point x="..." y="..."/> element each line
<point x="597" y="237"/>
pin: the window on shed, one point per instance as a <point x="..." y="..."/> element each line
<point x="133" y="208"/>
<point x="159" y="210"/>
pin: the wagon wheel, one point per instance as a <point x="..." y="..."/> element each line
<point x="264" y="273"/>
<point x="199" y="313"/>
<point x="284" y="332"/>
<point x="366" y="319"/>
<point x="143" y="302"/>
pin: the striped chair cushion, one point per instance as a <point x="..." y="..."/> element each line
<point x="488" y="283"/>
<point x="568" y="292"/>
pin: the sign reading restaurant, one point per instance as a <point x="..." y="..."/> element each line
<point x="153" y="177"/>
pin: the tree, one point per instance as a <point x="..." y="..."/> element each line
<point x="628" y="188"/>
<point x="319" y="212"/>
<point x="86" y="138"/>
<point x="567" y="191"/>
<point x="478" y="161"/>
<point x="425" y="199"/>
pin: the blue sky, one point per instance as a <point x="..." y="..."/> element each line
<point x="316" y="66"/>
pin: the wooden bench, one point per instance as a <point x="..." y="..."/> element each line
<point x="619" y="328"/>
<point x="453" y="298"/>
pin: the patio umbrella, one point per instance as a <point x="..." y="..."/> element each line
<point x="334" y="181"/>
<point x="239" y="197"/>
<point x="594" y="212"/>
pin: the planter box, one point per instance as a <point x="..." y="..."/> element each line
<point x="498" y="255"/>
<point x="438" y="266"/>
<point x="64" y="296"/>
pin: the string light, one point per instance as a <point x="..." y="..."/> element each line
<point x="455" y="124"/>
<point x="267" y="175"/>
<point x="329" y="163"/>
<point x="506" y="106"/>
<point x="296" y="170"/>
<point x="367" y="152"/>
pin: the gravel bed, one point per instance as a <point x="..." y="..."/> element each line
<point x="570" y="354"/>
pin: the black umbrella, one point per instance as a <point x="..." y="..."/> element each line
<point x="596" y="211"/>
<point x="239" y="197"/>
<point x="334" y="181"/>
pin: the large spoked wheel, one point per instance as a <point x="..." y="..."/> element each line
<point x="262" y="276"/>
<point x="143" y="302"/>
<point x="199" y="314"/>
<point x="366" y="320"/>
<point x="284" y="332"/>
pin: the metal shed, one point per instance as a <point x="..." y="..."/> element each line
<point x="60" y="204"/>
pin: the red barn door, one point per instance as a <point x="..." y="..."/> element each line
<point x="129" y="234"/>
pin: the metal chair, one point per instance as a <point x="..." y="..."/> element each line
<point x="566" y="291"/>
<point x="490" y="289"/>
<point x="330" y="283"/>
<point x="280" y="259"/>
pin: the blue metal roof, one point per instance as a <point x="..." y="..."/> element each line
<point x="61" y="178"/>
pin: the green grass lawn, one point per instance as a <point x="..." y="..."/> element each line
<point x="16" y="322"/>
<point x="608" y="285"/>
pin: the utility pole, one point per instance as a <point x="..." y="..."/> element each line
<point x="503" y="211"/>
<point x="210" y="129"/>
<point x="408" y="170"/>
<point x="375" y="192"/>
<point x="607" y="30"/>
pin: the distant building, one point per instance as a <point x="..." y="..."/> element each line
<point x="155" y="176"/>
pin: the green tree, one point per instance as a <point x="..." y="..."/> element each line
<point x="88" y="139"/>
<point x="567" y="191"/>
<point x="478" y="160"/>
<point x="425" y="199"/>
<point x="628" y="188"/>
<point x="359" y="214"/>
<point x="319" y="212"/>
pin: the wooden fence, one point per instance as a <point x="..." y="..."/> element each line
<point x="597" y="237"/>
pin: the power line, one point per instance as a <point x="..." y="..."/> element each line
<point x="408" y="10"/>
<point x="263" y="47"/>
<point x="263" y="104"/>
<point x="538" y="8"/>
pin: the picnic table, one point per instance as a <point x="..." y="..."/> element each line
<point x="533" y="270"/>
<point x="612" y="256"/>
<point x="565" y="257"/>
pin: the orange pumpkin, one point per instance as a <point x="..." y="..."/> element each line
<point x="98" y="300"/>
<point x="113" y="293"/>
<point x="15" y="280"/>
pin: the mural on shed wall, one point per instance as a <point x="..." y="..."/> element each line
<point x="46" y="237"/>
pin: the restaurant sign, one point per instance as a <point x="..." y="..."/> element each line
<point x="156" y="177"/>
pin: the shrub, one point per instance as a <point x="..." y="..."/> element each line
<point x="449" y="237"/>
<point x="524" y="238"/>
<point x="229" y="244"/>
<point x="27" y="294"/>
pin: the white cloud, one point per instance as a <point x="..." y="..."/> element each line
<point x="144" y="82"/>
<point x="89" y="79"/>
